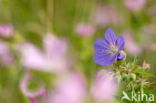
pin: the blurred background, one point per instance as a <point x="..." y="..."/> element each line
<point x="47" y="47"/>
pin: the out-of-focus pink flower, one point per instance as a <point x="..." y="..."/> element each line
<point x="32" y="57"/>
<point x="26" y="91"/>
<point x="135" y="5"/>
<point x="105" y="86"/>
<point x="54" y="44"/>
<point x="6" y="30"/>
<point x="56" y="53"/>
<point x="130" y="46"/>
<point x="152" y="10"/>
<point x="71" y="89"/>
<point x="51" y="59"/>
<point x="106" y="15"/>
<point x="5" y="54"/>
<point x="85" y="30"/>
<point x="33" y="100"/>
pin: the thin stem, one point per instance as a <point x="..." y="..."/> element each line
<point x="50" y="12"/>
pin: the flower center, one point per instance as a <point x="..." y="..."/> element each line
<point x="113" y="49"/>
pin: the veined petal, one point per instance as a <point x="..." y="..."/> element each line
<point x="104" y="59"/>
<point x="110" y="36"/>
<point x="120" y="42"/>
<point x="101" y="45"/>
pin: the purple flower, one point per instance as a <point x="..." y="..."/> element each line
<point x="108" y="49"/>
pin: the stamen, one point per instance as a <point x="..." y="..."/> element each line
<point x="113" y="49"/>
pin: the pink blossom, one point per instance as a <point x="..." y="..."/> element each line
<point x="135" y="5"/>
<point x="54" y="44"/>
<point x="56" y="53"/>
<point x="130" y="46"/>
<point x="105" y="86"/>
<point x="25" y="90"/>
<point x="32" y="57"/>
<point x="6" y="30"/>
<point x="71" y="89"/>
<point x="106" y="15"/>
<point x="85" y="30"/>
<point x="5" y="54"/>
<point x="33" y="100"/>
<point x="51" y="59"/>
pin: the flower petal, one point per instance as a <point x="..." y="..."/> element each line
<point x="6" y="57"/>
<point x="101" y="45"/>
<point x="71" y="89"/>
<point x="55" y="47"/>
<point x="6" y="30"/>
<point x="24" y="87"/>
<point x="105" y="81"/>
<point x="120" y="42"/>
<point x="105" y="59"/>
<point x="32" y="100"/>
<point x="110" y="36"/>
<point x="32" y="57"/>
<point x="121" y="56"/>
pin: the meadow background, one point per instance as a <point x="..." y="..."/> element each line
<point x="78" y="23"/>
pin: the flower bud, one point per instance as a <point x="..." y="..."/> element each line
<point x="122" y="55"/>
<point x="133" y="76"/>
<point x="145" y="65"/>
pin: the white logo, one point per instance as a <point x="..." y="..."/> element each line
<point x="137" y="97"/>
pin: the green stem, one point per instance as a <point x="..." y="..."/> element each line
<point x="50" y="11"/>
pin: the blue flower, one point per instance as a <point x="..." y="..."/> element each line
<point x="108" y="49"/>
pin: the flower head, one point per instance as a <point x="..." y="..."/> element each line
<point x="71" y="89"/>
<point x="135" y="5"/>
<point x="6" y="57"/>
<point x="105" y="86"/>
<point x="6" y="30"/>
<point x="105" y="15"/>
<point x="52" y="59"/>
<point x="85" y="30"/>
<point x="25" y="90"/>
<point x="108" y="49"/>
<point x="131" y="47"/>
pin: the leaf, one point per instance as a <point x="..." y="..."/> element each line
<point x="142" y="72"/>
